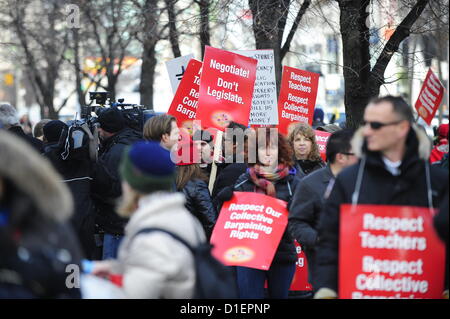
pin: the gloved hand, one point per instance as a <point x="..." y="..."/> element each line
<point x="225" y="194"/>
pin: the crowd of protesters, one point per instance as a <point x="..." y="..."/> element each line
<point x="82" y="202"/>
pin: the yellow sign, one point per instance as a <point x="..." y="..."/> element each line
<point x="8" y="79"/>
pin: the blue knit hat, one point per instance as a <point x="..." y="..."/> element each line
<point x="147" y="167"/>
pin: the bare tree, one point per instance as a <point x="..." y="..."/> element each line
<point x="41" y="38"/>
<point x="362" y="81"/>
<point x="112" y="24"/>
<point x="269" y="23"/>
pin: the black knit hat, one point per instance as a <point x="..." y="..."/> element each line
<point x="111" y="120"/>
<point x="53" y="129"/>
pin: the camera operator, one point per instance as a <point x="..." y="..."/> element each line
<point x="75" y="169"/>
<point x="106" y="184"/>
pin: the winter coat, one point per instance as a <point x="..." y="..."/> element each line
<point x="285" y="189"/>
<point x="305" y="167"/>
<point x="227" y="175"/>
<point x="442" y="227"/>
<point x="378" y="187"/>
<point x="154" y="265"/>
<point x="34" y="261"/>
<point x="305" y="209"/>
<point x="199" y="203"/>
<point x="106" y="183"/>
<point x="37" y="144"/>
<point x="76" y="171"/>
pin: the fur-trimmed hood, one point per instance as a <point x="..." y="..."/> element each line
<point x="424" y="148"/>
<point x="35" y="176"/>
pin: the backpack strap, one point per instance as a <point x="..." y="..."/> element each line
<point x="174" y="236"/>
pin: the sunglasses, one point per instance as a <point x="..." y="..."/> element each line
<point x="377" y="125"/>
<point x="349" y="154"/>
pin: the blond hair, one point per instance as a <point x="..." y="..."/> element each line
<point x="157" y="126"/>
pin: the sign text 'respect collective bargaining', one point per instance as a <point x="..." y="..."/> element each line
<point x="297" y="98"/>
<point x="389" y="252"/>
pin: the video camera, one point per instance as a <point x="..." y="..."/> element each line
<point x="135" y="115"/>
<point x="83" y="133"/>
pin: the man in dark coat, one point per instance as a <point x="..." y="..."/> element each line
<point x="106" y="183"/>
<point x="75" y="168"/>
<point x="308" y="199"/>
<point x="393" y="170"/>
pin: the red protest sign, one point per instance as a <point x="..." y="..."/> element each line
<point x="389" y="252"/>
<point x="430" y="97"/>
<point x="297" y="99"/>
<point x="321" y="140"/>
<point x="249" y="229"/>
<point x="226" y="88"/>
<point x="185" y="102"/>
<point x="300" y="280"/>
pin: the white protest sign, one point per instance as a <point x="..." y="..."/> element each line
<point x="264" y="104"/>
<point x="176" y="68"/>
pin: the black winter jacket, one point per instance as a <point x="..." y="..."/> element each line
<point x="284" y="188"/>
<point x="106" y="183"/>
<point x="76" y="173"/>
<point x="378" y="187"/>
<point x="305" y="209"/>
<point x="199" y="203"/>
<point x="305" y="167"/>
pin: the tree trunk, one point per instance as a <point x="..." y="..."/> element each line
<point x="266" y="18"/>
<point x="148" y="75"/>
<point x="205" y="38"/>
<point x="361" y="82"/>
<point x="173" y="33"/>
<point x="149" y="54"/>
<point x="356" y="56"/>
<point x="78" y="72"/>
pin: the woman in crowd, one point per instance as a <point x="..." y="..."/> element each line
<point x="153" y="264"/>
<point x="272" y="175"/>
<point x="192" y="182"/>
<point x="306" y="151"/>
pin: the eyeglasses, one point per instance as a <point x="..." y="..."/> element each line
<point x="377" y="125"/>
<point x="346" y="153"/>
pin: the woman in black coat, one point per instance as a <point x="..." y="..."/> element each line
<point x="273" y="175"/>
<point x="306" y="151"/>
<point x="192" y="182"/>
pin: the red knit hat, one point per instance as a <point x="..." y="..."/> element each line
<point x="187" y="152"/>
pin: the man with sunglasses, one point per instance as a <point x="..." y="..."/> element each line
<point x="393" y="170"/>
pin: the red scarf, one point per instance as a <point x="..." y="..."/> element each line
<point x="264" y="180"/>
